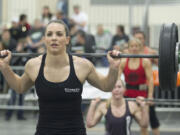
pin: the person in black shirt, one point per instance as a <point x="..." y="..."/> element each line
<point x="85" y="44"/>
<point x="120" y="39"/>
<point x="118" y="112"/>
<point x="14" y="30"/>
<point x="58" y="78"/>
<point x="24" y="27"/>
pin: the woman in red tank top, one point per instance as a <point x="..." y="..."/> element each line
<point x="154" y="122"/>
<point x="137" y="72"/>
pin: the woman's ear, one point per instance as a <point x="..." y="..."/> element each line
<point x="43" y="38"/>
<point x="67" y="40"/>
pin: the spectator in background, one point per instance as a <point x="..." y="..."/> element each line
<point x="103" y="41"/>
<point x="73" y="32"/>
<point x="103" y="38"/>
<point x="62" y="5"/>
<point x="120" y="39"/>
<point x="21" y="46"/>
<point x="1" y="77"/>
<point x="10" y="44"/>
<point x="35" y="36"/>
<point x="24" y="28"/>
<point x="85" y="44"/>
<point x="14" y="30"/>
<point x="46" y="15"/>
<point x="60" y="16"/>
<point x="80" y="18"/>
<point x="1" y="46"/>
<point x="7" y="42"/>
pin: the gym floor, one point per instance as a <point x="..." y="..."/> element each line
<point x="170" y="123"/>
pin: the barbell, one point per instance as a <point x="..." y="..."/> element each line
<point x="169" y="56"/>
<point x="174" y="102"/>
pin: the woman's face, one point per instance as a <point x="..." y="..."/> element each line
<point x="134" y="47"/>
<point x="55" y="38"/>
<point x="141" y="37"/>
<point x="118" y="90"/>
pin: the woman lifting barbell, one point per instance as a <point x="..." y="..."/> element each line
<point x="118" y="112"/>
<point x="58" y="78"/>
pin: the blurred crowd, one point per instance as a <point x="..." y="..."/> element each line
<point x="21" y="36"/>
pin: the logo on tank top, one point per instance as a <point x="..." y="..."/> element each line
<point x="128" y="122"/>
<point x="133" y="77"/>
<point x="72" y="90"/>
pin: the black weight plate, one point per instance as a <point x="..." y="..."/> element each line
<point x="167" y="45"/>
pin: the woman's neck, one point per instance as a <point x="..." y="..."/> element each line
<point x="134" y="59"/>
<point x="118" y="102"/>
<point x="57" y="60"/>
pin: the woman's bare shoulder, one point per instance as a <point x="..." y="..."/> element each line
<point x="103" y="107"/>
<point x="34" y="61"/>
<point x="132" y="106"/>
<point x="33" y="65"/>
<point x="82" y="62"/>
<point x="103" y="104"/>
<point x="146" y="62"/>
<point x="123" y="62"/>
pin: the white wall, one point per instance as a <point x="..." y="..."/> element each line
<point x="16" y="7"/>
<point x="33" y="8"/>
<point x="164" y="14"/>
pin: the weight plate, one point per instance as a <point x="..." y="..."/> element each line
<point x="167" y="48"/>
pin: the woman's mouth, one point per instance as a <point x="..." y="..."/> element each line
<point x="54" y="45"/>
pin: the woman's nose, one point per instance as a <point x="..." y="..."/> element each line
<point x="54" y="37"/>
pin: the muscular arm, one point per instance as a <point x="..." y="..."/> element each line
<point x="94" y="115"/>
<point x="149" y="76"/>
<point x="121" y="67"/>
<point x="141" y="115"/>
<point x="153" y="52"/>
<point x="19" y="83"/>
<point x="105" y="83"/>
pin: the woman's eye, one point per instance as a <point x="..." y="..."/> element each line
<point x="49" y="34"/>
<point x="59" y="34"/>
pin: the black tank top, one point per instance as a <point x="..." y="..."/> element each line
<point x="59" y="104"/>
<point x="118" y="125"/>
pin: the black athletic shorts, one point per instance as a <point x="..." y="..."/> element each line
<point x="154" y="122"/>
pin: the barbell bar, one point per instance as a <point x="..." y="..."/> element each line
<point x="36" y="108"/>
<point x="173" y="102"/>
<point x="169" y="56"/>
<point x="89" y="55"/>
<point x="17" y="107"/>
